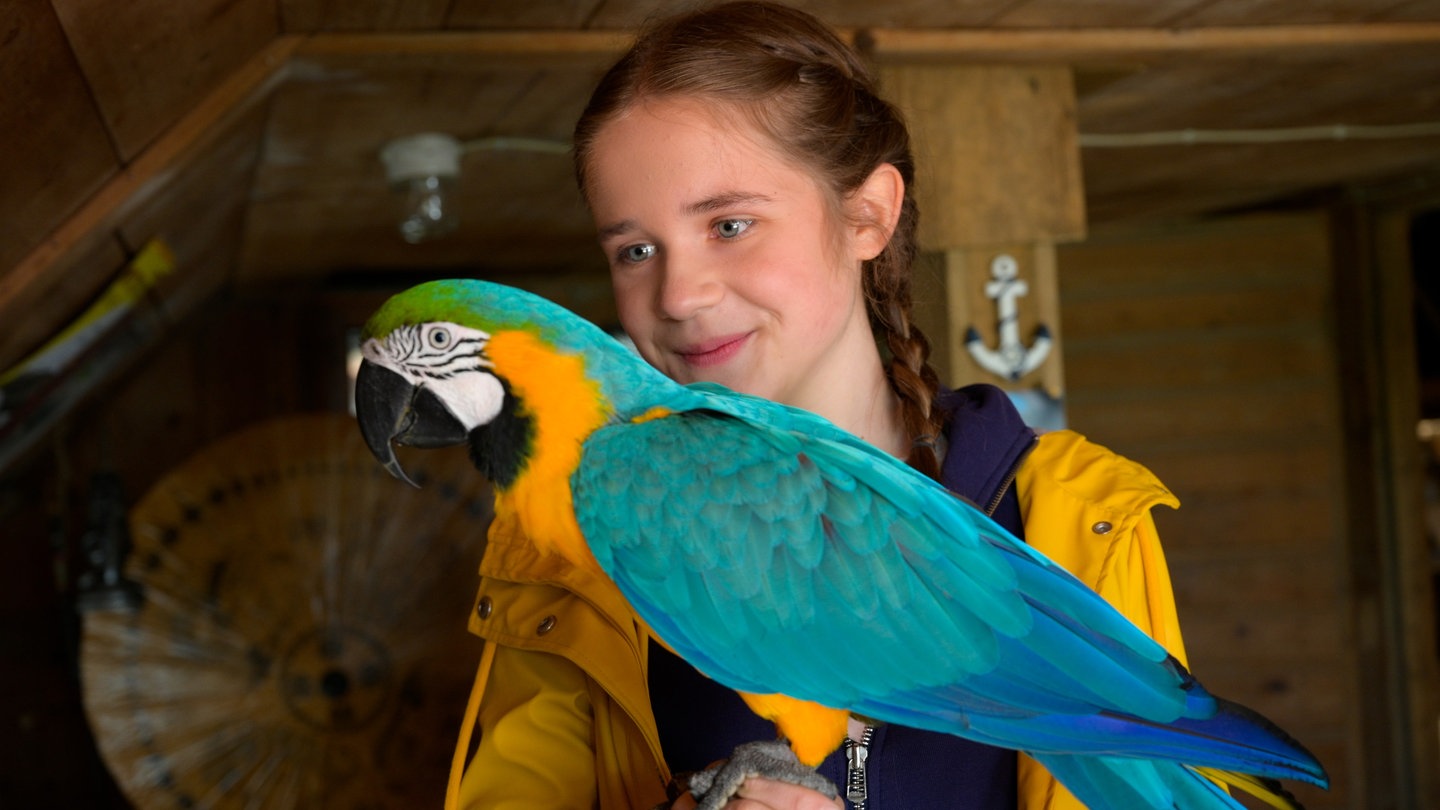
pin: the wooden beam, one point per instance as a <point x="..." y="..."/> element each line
<point x="1067" y="45"/>
<point x="1079" y="45"/>
<point x="995" y="152"/>
<point x="150" y="172"/>
<point x="559" y="45"/>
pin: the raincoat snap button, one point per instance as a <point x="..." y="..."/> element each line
<point x="483" y="609"/>
<point x="1102" y="527"/>
<point x="546" y="625"/>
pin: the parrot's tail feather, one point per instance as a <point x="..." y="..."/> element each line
<point x="1234" y="739"/>
<point x="1268" y="791"/>
<point x="1116" y="783"/>
<point x="1281" y="755"/>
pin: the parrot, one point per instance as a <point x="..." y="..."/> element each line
<point x="773" y="550"/>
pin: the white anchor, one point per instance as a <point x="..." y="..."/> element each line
<point x="1011" y="360"/>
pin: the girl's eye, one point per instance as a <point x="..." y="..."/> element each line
<point x="634" y="254"/>
<point x="731" y="228"/>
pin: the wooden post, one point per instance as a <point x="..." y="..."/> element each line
<point x="998" y="175"/>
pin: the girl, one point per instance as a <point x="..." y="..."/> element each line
<point x="754" y="196"/>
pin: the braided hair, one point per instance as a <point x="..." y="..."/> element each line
<point x="816" y="100"/>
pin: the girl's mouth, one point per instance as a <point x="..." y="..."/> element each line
<point x="713" y="352"/>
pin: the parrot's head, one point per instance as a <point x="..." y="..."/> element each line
<point x="521" y="380"/>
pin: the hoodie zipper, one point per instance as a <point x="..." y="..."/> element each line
<point x="855" y="755"/>
<point x="1009" y="478"/>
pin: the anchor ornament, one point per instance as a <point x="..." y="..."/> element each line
<point x="1011" y="360"/>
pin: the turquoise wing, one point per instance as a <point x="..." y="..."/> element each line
<point x="794" y="560"/>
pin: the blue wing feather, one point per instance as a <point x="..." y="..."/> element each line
<point x="784" y="550"/>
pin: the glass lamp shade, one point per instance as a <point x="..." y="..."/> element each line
<point x="427" y="207"/>
<point x="422" y="170"/>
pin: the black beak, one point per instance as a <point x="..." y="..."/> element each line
<point x="392" y="410"/>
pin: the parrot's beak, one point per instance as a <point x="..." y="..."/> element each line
<point x="391" y="409"/>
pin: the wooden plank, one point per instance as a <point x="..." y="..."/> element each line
<point x="1292" y="523"/>
<point x="276" y="249"/>
<point x="1313" y="632"/>
<point x="1093" y="13"/>
<point x="1285" y="466"/>
<point x="1286" y="12"/>
<point x="1256" y="578"/>
<point x="57" y="151"/>
<point x="858" y="13"/>
<point x="1047" y="46"/>
<point x="1411" y="11"/>
<point x="1253" y="411"/>
<point x="146" y="178"/>
<point x="1170" y="363"/>
<point x="1081" y="45"/>
<point x="995" y="153"/>
<point x="1280" y="306"/>
<point x="1261" y="253"/>
<point x="150" y="61"/>
<point x="1226" y="179"/>
<point x="1240" y="93"/>
<point x="494" y="47"/>
<point x="543" y="15"/>
<point x="305" y="16"/>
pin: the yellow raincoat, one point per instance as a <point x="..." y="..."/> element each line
<point x="560" y="712"/>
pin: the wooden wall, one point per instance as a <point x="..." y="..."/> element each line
<point x="102" y="103"/>
<point x="1210" y="352"/>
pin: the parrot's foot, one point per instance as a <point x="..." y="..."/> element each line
<point x="770" y="759"/>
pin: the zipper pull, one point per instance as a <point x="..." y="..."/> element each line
<point x="855" y="754"/>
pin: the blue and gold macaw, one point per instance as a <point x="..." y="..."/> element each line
<point x="773" y="551"/>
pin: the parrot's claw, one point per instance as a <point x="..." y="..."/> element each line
<point x="771" y="759"/>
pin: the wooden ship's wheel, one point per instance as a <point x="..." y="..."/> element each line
<point x="300" y="639"/>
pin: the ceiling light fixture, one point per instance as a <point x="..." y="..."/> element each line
<point x="422" y="170"/>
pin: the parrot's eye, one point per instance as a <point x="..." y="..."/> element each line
<point x="440" y="338"/>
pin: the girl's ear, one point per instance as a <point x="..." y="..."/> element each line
<point x="874" y="210"/>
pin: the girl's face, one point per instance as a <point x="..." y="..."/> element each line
<point x="727" y="263"/>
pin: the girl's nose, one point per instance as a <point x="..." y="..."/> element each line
<point x="688" y="287"/>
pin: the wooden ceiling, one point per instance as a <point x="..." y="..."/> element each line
<point x="247" y="132"/>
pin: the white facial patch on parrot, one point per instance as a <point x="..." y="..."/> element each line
<point x="449" y="361"/>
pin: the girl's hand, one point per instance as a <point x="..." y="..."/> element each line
<point x="758" y="793"/>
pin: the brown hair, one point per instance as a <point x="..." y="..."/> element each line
<point x="815" y="99"/>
